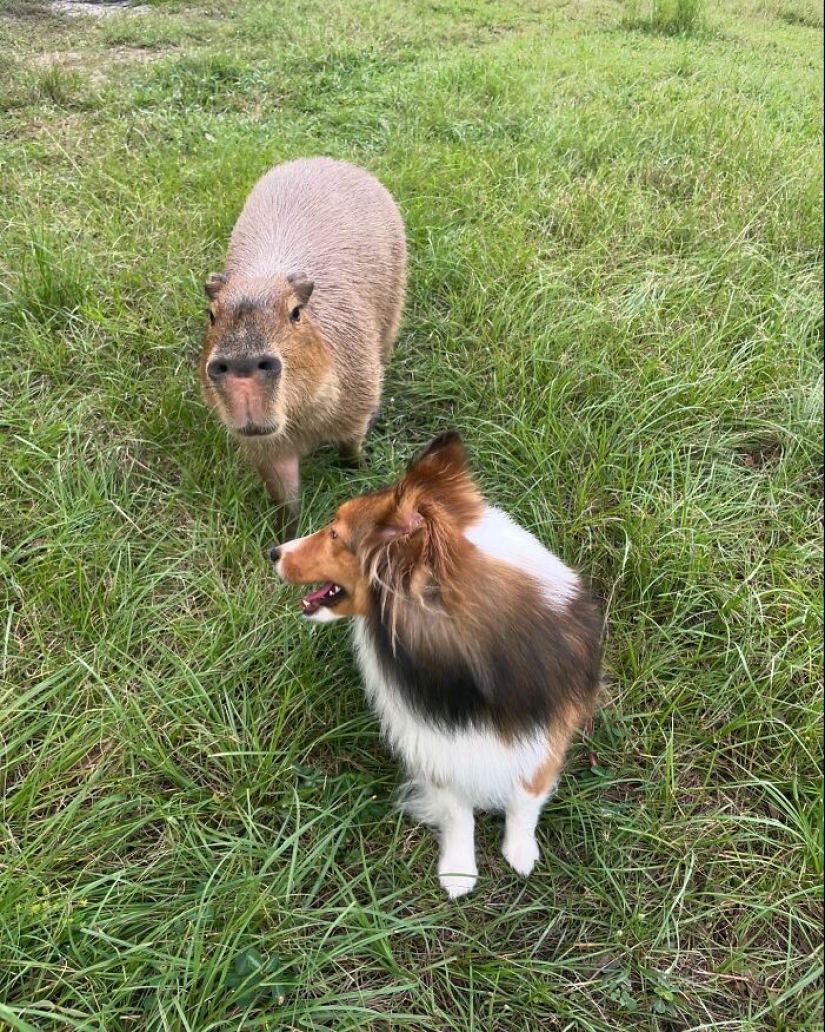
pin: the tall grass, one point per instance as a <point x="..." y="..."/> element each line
<point x="670" y="17"/>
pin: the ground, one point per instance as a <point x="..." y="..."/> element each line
<point x="614" y="213"/>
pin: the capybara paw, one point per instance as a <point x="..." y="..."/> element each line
<point x="351" y="456"/>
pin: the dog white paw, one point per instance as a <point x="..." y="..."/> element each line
<point x="457" y="877"/>
<point x="456" y="885"/>
<point x="521" y="853"/>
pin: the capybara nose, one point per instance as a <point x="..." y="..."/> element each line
<point x="274" y="553"/>
<point x="219" y="368"/>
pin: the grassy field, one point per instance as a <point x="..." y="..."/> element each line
<point x="616" y="294"/>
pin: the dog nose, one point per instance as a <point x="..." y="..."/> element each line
<point x="274" y="553"/>
<point x="265" y="364"/>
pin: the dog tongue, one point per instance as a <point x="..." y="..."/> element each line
<point x="312" y="602"/>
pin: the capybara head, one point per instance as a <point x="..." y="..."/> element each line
<point x="262" y="352"/>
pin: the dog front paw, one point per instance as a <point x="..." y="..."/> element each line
<point x="456" y="885"/>
<point x="457" y="877"/>
<point x="521" y="853"/>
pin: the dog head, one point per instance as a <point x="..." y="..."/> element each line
<point x="401" y="543"/>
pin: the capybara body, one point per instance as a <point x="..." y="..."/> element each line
<point x="304" y="317"/>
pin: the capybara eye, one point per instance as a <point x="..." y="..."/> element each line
<point x="333" y="533"/>
<point x="211" y="316"/>
<point x="295" y="314"/>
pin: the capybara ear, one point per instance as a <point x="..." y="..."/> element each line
<point x="213" y="285"/>
<point x="445" y="456"/>
<point x="301" y="285"/>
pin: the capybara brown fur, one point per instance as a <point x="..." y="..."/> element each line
<point x="304" y="316"/>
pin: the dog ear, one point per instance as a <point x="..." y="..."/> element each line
<point x="444" y="457"/>
<point x="439" y="485"/>
<point x="405" y="526"/>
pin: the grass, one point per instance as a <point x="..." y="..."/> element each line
<point x="670" y="17"/>
<point x="616" y="294"/>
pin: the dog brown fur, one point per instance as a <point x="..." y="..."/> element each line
<point x="471" y="637"/>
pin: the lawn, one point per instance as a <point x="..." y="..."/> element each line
<point x="616" y="242"/>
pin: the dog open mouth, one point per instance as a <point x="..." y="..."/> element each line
<point x="328" y="595"/>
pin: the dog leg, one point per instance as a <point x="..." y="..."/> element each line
<point x="452" y="818"/>
<point x="457" y="871"/>
<point x="520" y="848"/>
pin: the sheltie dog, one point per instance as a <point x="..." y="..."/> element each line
<point x="480" y="650"/>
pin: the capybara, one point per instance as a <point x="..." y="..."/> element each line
<point x="304" y="316"/>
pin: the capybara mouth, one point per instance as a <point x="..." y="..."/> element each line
<point x="329" y="595"/>
<point x="256" y="430"/>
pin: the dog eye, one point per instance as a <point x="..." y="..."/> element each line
<point x="333" y="534"/>
<point x="295" y="314"/>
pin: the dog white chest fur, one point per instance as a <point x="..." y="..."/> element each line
<point x="454" y="771"/>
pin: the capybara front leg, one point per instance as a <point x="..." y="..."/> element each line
<point x="349" y="454"/>
<point x="350" y="450"/>
<point x="283" y="481"/>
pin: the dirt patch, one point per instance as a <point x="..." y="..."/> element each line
<point x="95" y="8"/>
<point x="64" y="58"/>
<point x="122" y="55"/>
<point x="74" y="59"/>
<point x="95" y="70"/>
<point x="767" y="454"/>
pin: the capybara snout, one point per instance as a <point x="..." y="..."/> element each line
<point x="267" y="367"/>
<point x="246" y="391"/>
